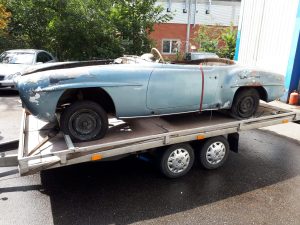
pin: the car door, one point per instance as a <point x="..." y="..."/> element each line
<point x="174" y="88"/>
<point x="211" y="87"/>
<point x="178" y="88"/>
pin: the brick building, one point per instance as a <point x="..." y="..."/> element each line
<point x="171" y="36"/>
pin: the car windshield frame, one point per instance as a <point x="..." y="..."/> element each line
<point x="17" y="58"/>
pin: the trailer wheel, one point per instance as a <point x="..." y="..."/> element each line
<point x="214" y="152"/>
<point x="177" y="160"/>
<point x="84" y="121"/>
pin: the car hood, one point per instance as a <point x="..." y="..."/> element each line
<point x="8" y="69"/>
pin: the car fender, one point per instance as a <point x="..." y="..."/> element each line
<point x="237" y="78"/>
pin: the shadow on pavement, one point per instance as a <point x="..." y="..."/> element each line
<point x="7" y="93"/>
<point x="130" y="190"/>
<point x="21" y="188"/>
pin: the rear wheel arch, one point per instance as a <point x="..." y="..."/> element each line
<point x="95" y="94"/>
<point x="263" y="95"/>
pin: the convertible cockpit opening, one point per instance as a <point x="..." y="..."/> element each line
<point x="153" y="57"/>
<point x="207" y="62"/>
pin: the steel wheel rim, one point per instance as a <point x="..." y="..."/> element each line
<point x="85" y="123"/>
<point x="178" y="160"/>
<point x="246" y="105"/>
<point x="215" y="153"/>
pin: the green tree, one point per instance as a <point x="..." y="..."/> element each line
<point x="229" y="38"/>
<point x="4" y="17"/>
<point x="134" y="19"/>
<point x="206" y="42"/>
<point x="218" y="40"/>
<point x="84" y="29"/>
<point x="29" y="21"/>
<point x="7" y="41"/>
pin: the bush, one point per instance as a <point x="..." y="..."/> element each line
<point x="219" y="40"/>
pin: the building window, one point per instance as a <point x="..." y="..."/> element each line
<point x="171" y="46"/>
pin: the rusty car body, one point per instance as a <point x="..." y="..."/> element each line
<point x="84" y="95"/>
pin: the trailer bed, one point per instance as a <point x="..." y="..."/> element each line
<point x="39" y="149"/>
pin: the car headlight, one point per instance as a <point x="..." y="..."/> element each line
<point x="12" y="76"/>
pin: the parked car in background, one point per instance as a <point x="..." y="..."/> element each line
<point x="199" y="55"/>
<point x="14" y="62"/>
<point x="133" y="87"/>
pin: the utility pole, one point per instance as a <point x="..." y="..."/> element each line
<point x="188" y="28"/>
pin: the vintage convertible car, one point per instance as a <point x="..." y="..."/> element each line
<point x="84" y="95"/>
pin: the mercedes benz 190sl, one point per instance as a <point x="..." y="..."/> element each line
<point x="132" y="86"/>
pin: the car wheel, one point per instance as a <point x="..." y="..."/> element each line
<point x="213" y="152"/>
<point x="245" y="104"/>
<point x="84" y="121"/>
<point x="177" y="160"/>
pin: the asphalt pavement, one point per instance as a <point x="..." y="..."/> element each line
<point x="260" y="185"/>
<point x="10" y="115"/>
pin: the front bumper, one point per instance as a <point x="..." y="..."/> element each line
<point x="7" y="83"/>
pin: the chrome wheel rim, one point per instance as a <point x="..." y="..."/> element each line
<point x="215" y="153"/>
<point x="178" y="160"/>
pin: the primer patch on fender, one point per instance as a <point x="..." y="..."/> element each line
<point x="34" y="99"/>
<point x="226" y="104"/>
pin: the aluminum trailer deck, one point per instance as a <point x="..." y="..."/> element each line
<point x="40" y="147"/>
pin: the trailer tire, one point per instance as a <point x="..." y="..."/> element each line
<point x="177" y="160"/>
<point x="84" y="121"/>
<point x="213" y="152"/>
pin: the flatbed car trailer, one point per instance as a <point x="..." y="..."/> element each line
<point x="174" y="140"/>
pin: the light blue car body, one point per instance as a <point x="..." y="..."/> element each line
<point x="148" y="89"/>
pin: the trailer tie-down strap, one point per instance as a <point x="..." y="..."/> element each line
<point x="202" y="88"/>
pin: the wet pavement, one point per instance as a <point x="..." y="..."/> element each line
<point x="260" y="185"/>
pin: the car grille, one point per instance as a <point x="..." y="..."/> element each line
<point x="2" y="77"/>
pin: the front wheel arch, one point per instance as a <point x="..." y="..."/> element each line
<point x="84" y="121"/>
<point x="95" y="94"/>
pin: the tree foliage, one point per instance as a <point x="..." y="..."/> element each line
<point x="205" y="40"/>
<point x="229" y="38"/>
<point x="135" y="20"/>
<point x="221" y="41"/>
<point x="83" y="29"/>
<point x="4" y="17"/>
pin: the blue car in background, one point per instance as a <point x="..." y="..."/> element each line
<point x="142" y="86"/>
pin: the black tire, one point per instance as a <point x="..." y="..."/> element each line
<point x="180" y="163"/>
<point x="211" y="154"/>
<point x="84" y="121"/>
<point x="245" y="103"/>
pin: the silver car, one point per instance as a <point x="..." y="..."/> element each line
<point x="14" y="62"/>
